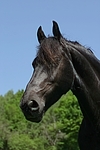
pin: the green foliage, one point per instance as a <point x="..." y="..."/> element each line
<point x="69" y="118"/>
<point x="58" y="130"/>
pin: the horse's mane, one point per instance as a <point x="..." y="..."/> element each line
<point x="49" y="51"/>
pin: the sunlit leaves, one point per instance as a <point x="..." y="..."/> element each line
<point x="58" y="129"/>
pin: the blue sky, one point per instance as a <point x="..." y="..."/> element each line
<point x="19" y="20"/>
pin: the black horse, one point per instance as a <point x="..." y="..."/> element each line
<point x="60" y="66"/>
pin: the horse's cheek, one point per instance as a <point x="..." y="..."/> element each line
<point x="65" y="75"/>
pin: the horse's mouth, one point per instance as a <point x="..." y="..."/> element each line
<point x="33" y="114"/>
<point x="37" y="117"/>
<point x="33" y="119"/>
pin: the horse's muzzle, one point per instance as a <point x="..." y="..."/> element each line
<point x="33" y="110"/>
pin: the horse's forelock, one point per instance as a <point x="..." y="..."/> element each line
<point x="48" y="52"/>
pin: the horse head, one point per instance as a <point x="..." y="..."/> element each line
<point x="52" y="76"/>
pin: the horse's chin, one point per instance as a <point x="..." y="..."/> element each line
<point x="33" y="119"/>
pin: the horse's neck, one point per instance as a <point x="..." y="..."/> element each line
<point x="87" y="83"/>
<point x="94" y="62"/>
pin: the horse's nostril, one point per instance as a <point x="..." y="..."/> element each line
<point x="33" y="105"/>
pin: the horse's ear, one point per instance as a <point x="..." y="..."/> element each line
<point x="56" y="31"/>
<point x="40" y="35"/>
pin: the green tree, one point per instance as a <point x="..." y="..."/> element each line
<point x="58" y="129"/>
<point x="63" y="123"/>
<point x="69" y="118"/>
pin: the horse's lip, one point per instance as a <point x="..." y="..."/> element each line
<point x="33" y="118"/>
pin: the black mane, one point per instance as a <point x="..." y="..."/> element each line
<point x="49" y="51"/>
